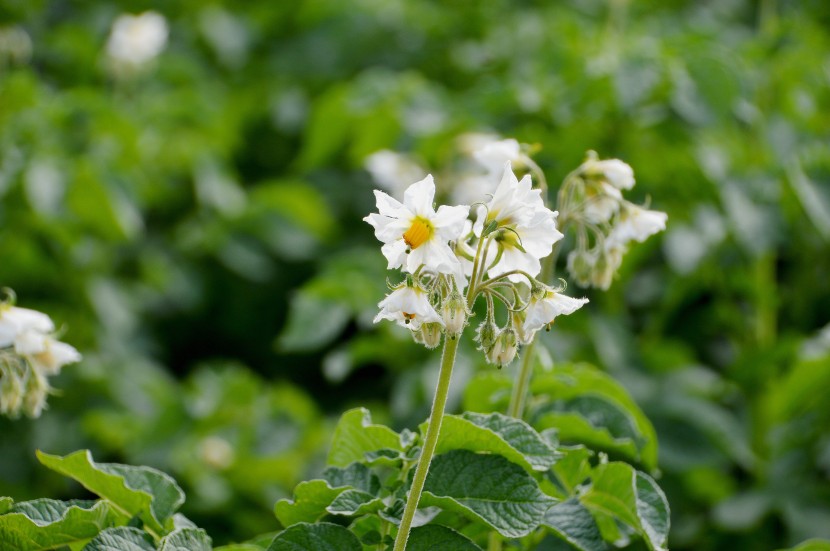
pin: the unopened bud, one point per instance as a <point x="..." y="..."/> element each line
<point x="486" y="335"/>
<point x="34" y="400"/>
<point x="581" y="266"/>
<point x="429" y="334"/>
<point x="11" y="393"/>
<point x="504" y="349"/>
<point x="454" y="314"/>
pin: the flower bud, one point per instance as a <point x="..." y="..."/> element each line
<point x="486" y="335"/>
<point x="581" y="266"/>
<point x="11" y="393"/>
<point x="504" y="349"/>
<point x="429" y="335"/>
<point x="454" y="314"/>
<point x="37" y="389"/>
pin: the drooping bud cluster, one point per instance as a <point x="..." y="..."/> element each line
<point x="604" y="222"/>
<point x="453" y="255"/>
<point x="29" y="354"/>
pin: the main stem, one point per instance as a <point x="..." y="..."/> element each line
<point x="436" y="416"/>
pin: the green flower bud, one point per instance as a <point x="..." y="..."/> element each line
<point x="454" y="314"/>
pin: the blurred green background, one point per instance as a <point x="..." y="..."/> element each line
<point x="195" y="224"/>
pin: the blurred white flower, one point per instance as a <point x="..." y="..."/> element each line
<point x="601" y="203"/>
<point x="393" y="171"/>
<point x="413" y="233"/>
<point x="408" y="307"/>
<point x="137" y="39"/>
<point x="28" y="354"/>
<point x="636" y="224"/>
<point x="614" y="171"/>
<point x="543" y="310"/>
<point x="19" y="325"/>
<point x="494" y="154"/>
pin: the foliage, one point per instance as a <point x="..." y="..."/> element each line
<point x="208" y="208"/>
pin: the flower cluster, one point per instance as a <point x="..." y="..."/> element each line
<point x="453" y="255"/>
<point x="604" y="222"/>
<point x="29" y="354"/>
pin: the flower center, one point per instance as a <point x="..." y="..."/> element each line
<point x="418" y="233"/>
<point x="407" y="317"/>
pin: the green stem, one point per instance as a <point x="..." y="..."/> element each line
<point x="494" y="542"/>
<point x="430" y="442"/>
<point x="517" y="398"/>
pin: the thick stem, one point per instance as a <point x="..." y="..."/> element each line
<point x="430" y="442"/>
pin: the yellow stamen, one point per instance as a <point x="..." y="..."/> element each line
<point x="418" y="233"/>
<point x="407" y="317"/>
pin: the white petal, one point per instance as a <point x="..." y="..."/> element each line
<point x="395" y="253"/>
<point x="419" y="196"/>
<point x="30" y="342"/>
<point x="449" y="221"/>
<point x="26" y="319"/>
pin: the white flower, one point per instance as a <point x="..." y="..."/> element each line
<point x="636" y="224"/>
<point x="413" y="233"/>
<point x="136" y="39"/>
<point x="18" y="322"/>
<point x="542" y="311"/>
<point x="408" y="307"/>
<point x="601" y="203"/>
<point x="494" y="154"/>
<point x="526" y="228"/>
<point x="393" y="171"/>
<point x="53" y="356"/>
<point x="614" y="171"/>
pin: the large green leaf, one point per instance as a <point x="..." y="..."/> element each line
<point x="123" y="538"/>
<point x="496" y="433"/>
<point x="588" y="407"/>
<point x="486" y="488"/>
<point x="356" y="476"/>
<point x="309" y="504"/>
<point x="355" y="435"/>
<point x="316" y="537"/>
<point x="355" y="502"/>
<point x="571" y="521"/>
<point x="151" y="494"/>
<point x="633" y="498"/>
<point x="48" y="523"/>
<point x="186" y="539"/>
<point x="434" y="536"/>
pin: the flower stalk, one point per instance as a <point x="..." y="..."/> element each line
<point x="436" y="417"/>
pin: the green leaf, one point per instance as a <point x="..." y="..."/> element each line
<point x="5" y="504"/>
<point x="355" y="435"/>
<point x="811" y="545"/>
<point x="496" y="433"/>
<point x="123" y="538"/>
<point x="186" y="539"/>
<point x="327" y="130"/>
<point x="355" y="502"/>
<point x="572" y="522"/>
<point x="151" y="494"/>
<point x="435" y="536"/>
<point x="573" y="468"/>
<point x="488" y="391"/>
<point x="486" y="488"/>
<point x="309" y="504"/>
<point x="313" y="322"/>
<point x="48" y="523"/>
<point x="632" y="497"/>
<point x="356" y="476"/>
<point x="591" y="408"/>
<point x="316" y="537"/>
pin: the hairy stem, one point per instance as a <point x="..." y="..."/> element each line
<point x="430" y="442"/>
